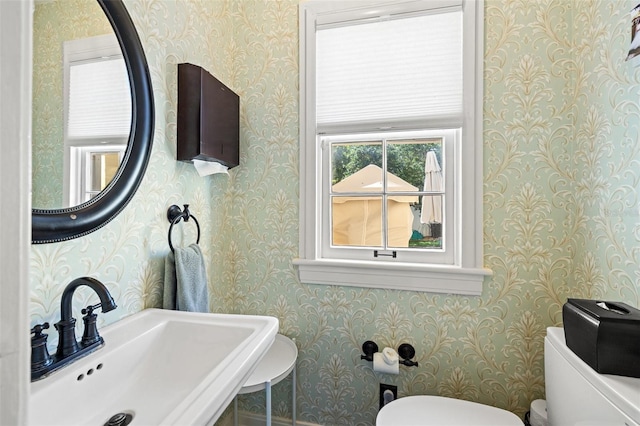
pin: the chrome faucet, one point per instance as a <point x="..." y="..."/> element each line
<point x="68" y="347"/>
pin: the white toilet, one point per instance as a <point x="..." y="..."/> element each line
<point x="426" y="410"/>
<point x="576" y="395"/>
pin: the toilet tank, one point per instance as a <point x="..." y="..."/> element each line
<point x="577" y="395"/>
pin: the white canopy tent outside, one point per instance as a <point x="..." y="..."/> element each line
<point x="357" y="221"/>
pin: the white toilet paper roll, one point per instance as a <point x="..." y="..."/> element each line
<point x="539" y="413"/>
<point x="386" y="361"/>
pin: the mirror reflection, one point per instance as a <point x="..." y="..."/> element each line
<point x="81" y="103"/>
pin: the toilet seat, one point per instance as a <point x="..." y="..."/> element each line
<point x="441" y="411"/>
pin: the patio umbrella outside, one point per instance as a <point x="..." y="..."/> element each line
<point x="432" y="204"/>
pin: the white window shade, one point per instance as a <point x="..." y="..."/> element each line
<point x="99" y="99"/>
<point x="403" y="70"/>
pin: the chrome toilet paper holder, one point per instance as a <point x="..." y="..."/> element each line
<point x="406" y="351"/>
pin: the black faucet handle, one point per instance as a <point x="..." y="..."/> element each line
<point x="90" y="335"/>
<point x="89" y="309"/>
<point x="38" y="329"/>
<point x="40" y="358"/>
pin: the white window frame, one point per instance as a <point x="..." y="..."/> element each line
<point x="76" y="150"/>
<point x="81" y="169"/>
<point x="450" y="141"/>
<point x="466" y="273"/>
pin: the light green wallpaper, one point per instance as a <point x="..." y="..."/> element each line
<point x="607" y="154"/>
<point x="561" y="160"/>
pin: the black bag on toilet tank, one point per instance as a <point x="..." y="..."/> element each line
<point x="605" y="335"/>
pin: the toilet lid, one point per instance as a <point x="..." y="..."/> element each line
<point x="441" y="411"/>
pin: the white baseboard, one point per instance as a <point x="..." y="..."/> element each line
<point x="250" y="419"/>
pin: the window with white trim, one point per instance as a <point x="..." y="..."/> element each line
<point x="92" y="169"/>
<point x="391" y="144"/>
<point x="97" y="115"/>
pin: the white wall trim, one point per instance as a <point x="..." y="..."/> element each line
<point x="397" y="276"/>
<point x="15" y="208"/>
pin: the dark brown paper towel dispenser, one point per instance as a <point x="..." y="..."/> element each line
<point x="605" y="335"/>
<point x="208" y="119"/>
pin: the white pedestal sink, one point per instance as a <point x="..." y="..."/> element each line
<point x="160" y="367"/>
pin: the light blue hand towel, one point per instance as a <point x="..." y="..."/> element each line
<point x="185" y="280"/>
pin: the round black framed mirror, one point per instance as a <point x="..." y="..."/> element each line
<point x="50" y="226"/>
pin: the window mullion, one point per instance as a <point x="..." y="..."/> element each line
<point x="326" y="196"/>
<point x="384" y="218"/>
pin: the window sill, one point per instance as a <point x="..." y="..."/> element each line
<point x="394" y="276"/>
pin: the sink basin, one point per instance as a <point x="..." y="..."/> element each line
<point x="160" y="367"/>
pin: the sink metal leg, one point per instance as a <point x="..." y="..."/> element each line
<point x="293" y="392"/>
<point x="268" y="389"/>
<point x="235" y="410"/>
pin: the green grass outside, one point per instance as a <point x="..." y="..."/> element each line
<point x="430" y="243"/>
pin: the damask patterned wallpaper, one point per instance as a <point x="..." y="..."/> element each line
<point x="562" y="217"/>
